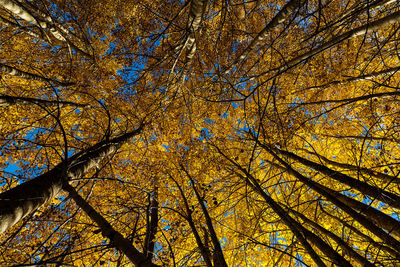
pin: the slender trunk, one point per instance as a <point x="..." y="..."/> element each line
<point x="350" y="100"/>
<point x="304" y="235"/>
<point x="29" y="76"/>
<point x="205" y="253"/>
<point x="369" y="27"/>
<point x="382" y="176"/>
<point x="219" y="259"/>
<point x="369" y="76"/>
<point x="25" y="198"/>
<point x="281" y="17"/>
<point x="369" y="190"/>
<point x="41" y="20"/>
<point x="357" y="210"/>
<point x="197" y="9"/>
<point x="300" y="232"/>
<point x="152" y="224"/>
<point x="20" y="11"/>
<point x="349" y="16"/>
<point x="345" y="247"/>
<point x="367" y="238"/>
<point x="116" y="238"/>
<point x="6" y="100"/>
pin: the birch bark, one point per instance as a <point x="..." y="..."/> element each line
<point x="25" y="198"/>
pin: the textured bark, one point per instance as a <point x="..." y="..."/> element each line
<point x="363" y="187"/>
<point x="20" y="11"/>
<point x="197" y="9"/>
<point x="39" y="19"/>
<point x="116" y="238"/>
<point x="25" y="198"/>
<point x="29" y="76"/>
<point x="152" y="224"/>
<point x="6" y="100"/>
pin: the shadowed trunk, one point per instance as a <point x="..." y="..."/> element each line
<point x="116" y="238"/>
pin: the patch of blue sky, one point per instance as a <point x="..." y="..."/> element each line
<point x="253" y="132"/>
<point x="235" y="45"/>
<point x="225" y="115"/>
<point x="223" y="241"/>
<point x="348" y="193"/>
<point x="395" y="216"/>
<point x="235" y="104"/>
<point x="209" y="121"/>
<point x="274" y="238"/>
<point x="205" y="134"/>
<point x="9" y="173"/>
<point x="111" y="48"/>
<point x="296" y="101"/>
<point x="299" y="260"/>
<point x="183" y="146"/>
<point x="167" y="224"/>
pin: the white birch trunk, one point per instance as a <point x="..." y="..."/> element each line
<point x="6" y="100"/>
<point x="29" y="76"/>
<point x="25" y="198"/>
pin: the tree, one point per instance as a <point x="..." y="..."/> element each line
<point x="216" y="133"/>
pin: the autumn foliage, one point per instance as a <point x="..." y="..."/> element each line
<point x="199" y="133"/>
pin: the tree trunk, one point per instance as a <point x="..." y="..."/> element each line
<point x="357" y="210"/>
<point x="152" y="224"/>
<point x="281" y="17"/>
<point x="369" y="76"/>
<point x="21" y="12"/>
<point x="116" y="238"/>
<point x="204" y="251"/>
<point x="370" y="27"/>
<point x="219" y="259"/>
<point x="302" y="234"/>
<point x="369" y="190"/>
<point x="29" y="76"/>
<point x="197" y="9"/>
<point x="382" y="176"/>
<point x="25" y="198"/>
<point x="346" y="248"/>
<point x="6" y="100"/>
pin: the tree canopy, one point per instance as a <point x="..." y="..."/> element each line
<point x="199" y="133"/>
